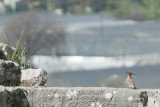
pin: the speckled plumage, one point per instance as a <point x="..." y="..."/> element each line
<point x="129" y="81"/>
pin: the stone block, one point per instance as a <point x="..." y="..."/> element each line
<point x="5" y="51"/>
<point x="78" y="97"/>
<point x="9" y="73"/>
<point x="33" y="77"/>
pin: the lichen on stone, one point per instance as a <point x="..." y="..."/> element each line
<point x="130" y="98"/>
<point x="109" y="96"/>
<point x="114" y="92"/>
<point x="56" y="95"/>
<point x="71" y="93"/>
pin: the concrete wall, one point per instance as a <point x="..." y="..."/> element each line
<point x="78" y="97"/>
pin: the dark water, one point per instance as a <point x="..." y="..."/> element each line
<point x="146" y="77"/>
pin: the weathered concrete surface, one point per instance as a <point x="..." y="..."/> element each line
<point x="78" y="97"/>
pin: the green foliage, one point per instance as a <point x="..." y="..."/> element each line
<point x="133" y="9"/>
<point x="19" y="54"/>
<point x="98" y="5"/>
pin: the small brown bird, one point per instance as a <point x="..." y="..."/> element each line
<point x="129" y="81"/>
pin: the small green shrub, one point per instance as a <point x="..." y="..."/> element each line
<point x="19" y="54"/>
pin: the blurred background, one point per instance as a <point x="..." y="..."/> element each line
<point x="87" y="42"/>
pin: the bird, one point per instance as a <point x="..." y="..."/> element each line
<point x="129" y="81"/>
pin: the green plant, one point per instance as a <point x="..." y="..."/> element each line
<point x="19" y="54"/>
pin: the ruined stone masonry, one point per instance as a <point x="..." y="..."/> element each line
<point x="78" y="97"/>
<point x="11" y="74"/>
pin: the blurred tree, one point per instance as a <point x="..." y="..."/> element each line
<point x="133" y="9"/>
<point x="97" y="5"/>
<point x="62" y="4"/>
<point x="36" y="4"/>
<point x="50" y="5"/>
<point x="39" y="32"/>
<point x="73" y="6"/>
<point x="20" y="6"/>
<point x="78" y="6"/>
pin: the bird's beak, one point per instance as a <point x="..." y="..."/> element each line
<point x="133" y="74"/>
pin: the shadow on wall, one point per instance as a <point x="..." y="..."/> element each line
<point x="15" y="98"/>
